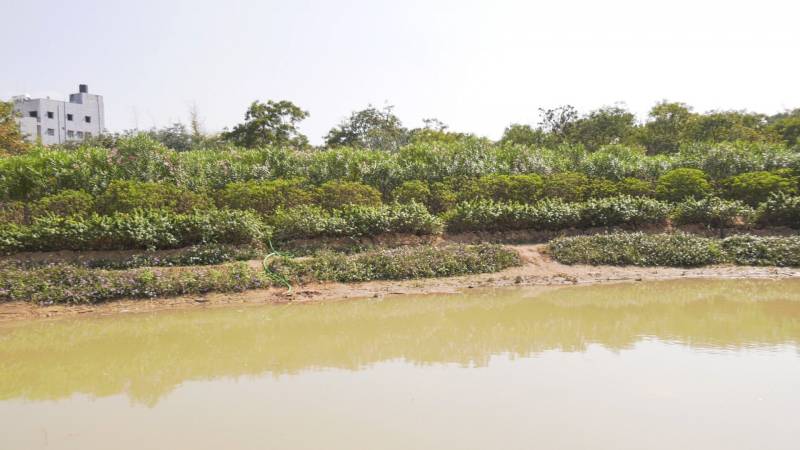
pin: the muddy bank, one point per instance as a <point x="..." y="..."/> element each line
<point x="537" y="269"/>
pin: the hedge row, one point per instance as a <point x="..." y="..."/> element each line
<point x="137" y="230"/>
<point x="74" y="284"/>
<point x="555" y="214"/>
<point x="679" y="250"/>
<point x="396" y="264"/>
<point x="307" y="222"/>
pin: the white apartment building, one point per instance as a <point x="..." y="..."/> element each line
<point x="56" y="121"/>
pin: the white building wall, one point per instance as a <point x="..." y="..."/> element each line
<point x="57" y="122"/>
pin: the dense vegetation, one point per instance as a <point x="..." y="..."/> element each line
<point x="679" y="249"/>
<point x="217" y="199"/>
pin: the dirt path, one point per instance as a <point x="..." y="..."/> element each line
<point x="538" y="269"/>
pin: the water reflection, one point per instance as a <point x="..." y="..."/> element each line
<point x="147" y="356"/>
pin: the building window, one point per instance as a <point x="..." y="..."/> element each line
<point x="33" y="114"/>
<point x="50" y="114"/>
<point x="80" y="134"/>
<point x="51" y="132"/>
<point x="69" y="117"/>
<point x="87" y="119"/>
<point x="70" y="134"/>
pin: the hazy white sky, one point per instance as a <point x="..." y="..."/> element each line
<point x="476" y="65"/>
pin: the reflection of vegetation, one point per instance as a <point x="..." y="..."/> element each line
<point x="148" y="355"/>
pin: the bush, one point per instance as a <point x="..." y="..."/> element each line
<point x="136" y="230"/>
<point x="124" y="196"/>
<point x="713" y="212"/>
<point x="756" y="187"/>
<point x="65" y="203"/>
<point x="503" y="188"/>
<point x="568" y="186"/>
<point x="72" y="284"/>
<point x="265" y="197"/>
<point x="680" y="184"/>
<point x="196" y="255"/>
<point x="780" y="210"/>
<point x="763" y="251"/>
<point x="12" y="213"/>
<point x="397" y="264"/>
<point x="638" y="249"/>
<point x="623" y="210"/>
<point x="485" y="215"/>
<point x="337" y="194"/>
<point x="412" y="191"/>
<point x="442" y="198"/>
<point x="354" y="221"/>
<point x="636" y="187"/>
<point x="601" y="188"/>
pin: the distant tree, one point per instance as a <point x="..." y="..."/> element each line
<point x="271" y="123"/>
<point x="668" y="126"/>
<point x="11" y="138"/>
<point x="371" y="128"/>
<point x="433" y="131"/>
<point x="524" y="135"/>
<point x="175" y="136"/>
<point x="722" y="126"/>
<point x="787" y="126"/>
<point x="604" y="126"/>
<point x="559" y="122"/>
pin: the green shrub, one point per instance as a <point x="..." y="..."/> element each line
<point x="638" y="249"/>
<point x="65" y="203"/>
<point x="265" y="197"/>
<point x="713" y="212"/>
<point x="568" y="186"/>
<point x="12" y="213"/>
<point x="196" y="255"/>
<point x="72" y="284"/>
<point x="442" y="198"/>
<point x="485" y="215"/>
<point x="124" y="196"/>
<point x="601" y="188"/>
<point x="680" y="184"/>
<point x="756" y="187"/>
<point x="412" y="191"/>
<point x="503" y="188"/>
<point x="636" y="187"/>
<point x="137" y="230"/>
<point x="308" y="222"/>
<point x="337" y="194"/>
<point x="397" y="264"/>
<point x="780" y="210"/>
<point x="763" y="251"/>
<point x="623" y="210"/>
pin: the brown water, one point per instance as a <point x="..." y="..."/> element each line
<point x="665" y="365"/>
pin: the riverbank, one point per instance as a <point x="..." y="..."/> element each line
<point x="537" y="269"/>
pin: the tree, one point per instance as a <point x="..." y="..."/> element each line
<point x="175" y="136"/>
<point x="271" y="123"/>
<point x="559" y="122"/>
<point x="722" y="126"/>
<point x="668" y="126"/>
<point x="524" y="135"/>
<point x="787" y="126"/>
<point x="604" y="126"/>
<point x="371" y="128"/>
<point x="11" y="139"/>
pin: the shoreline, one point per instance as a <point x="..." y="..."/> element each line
<point x="538" y="269"/>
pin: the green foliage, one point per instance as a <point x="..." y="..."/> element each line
<point x="713" y="212"/>
<point x="11" y="138"/>
<point x="397" y="264"/>
<point x="638" y="249"/>
<point x="271" y="123"/>
<point x="307" y="222"/>
<point x="750" y="250"/>
<point x="442" y="197"/>
<point x="412" y="191"/>
<point x="265" y="197"/>
<point x="12" y="213"/>
<point x="756" y="187"/>
<point x="371" y="128"/>
<point x="137" y="230"/>
<point x="196" y="255"/>
<point x="636" y="187"/>
<point x="780" y="210"/>
<point x="517" y="188"/>
<point x="677" y="250"/>
<point x="568" y="186"/>
<point x="127" y="195"/>
<point x="337" y="194"/>
<point x="667" y="128"/>
<point x="73" y="284"/>
<point x="517" y="134"/>
<point x="679" y="184"/>
<point x="65" y="203"/>
<point x="604" y="126"/>
<point x="622" y="210"/>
